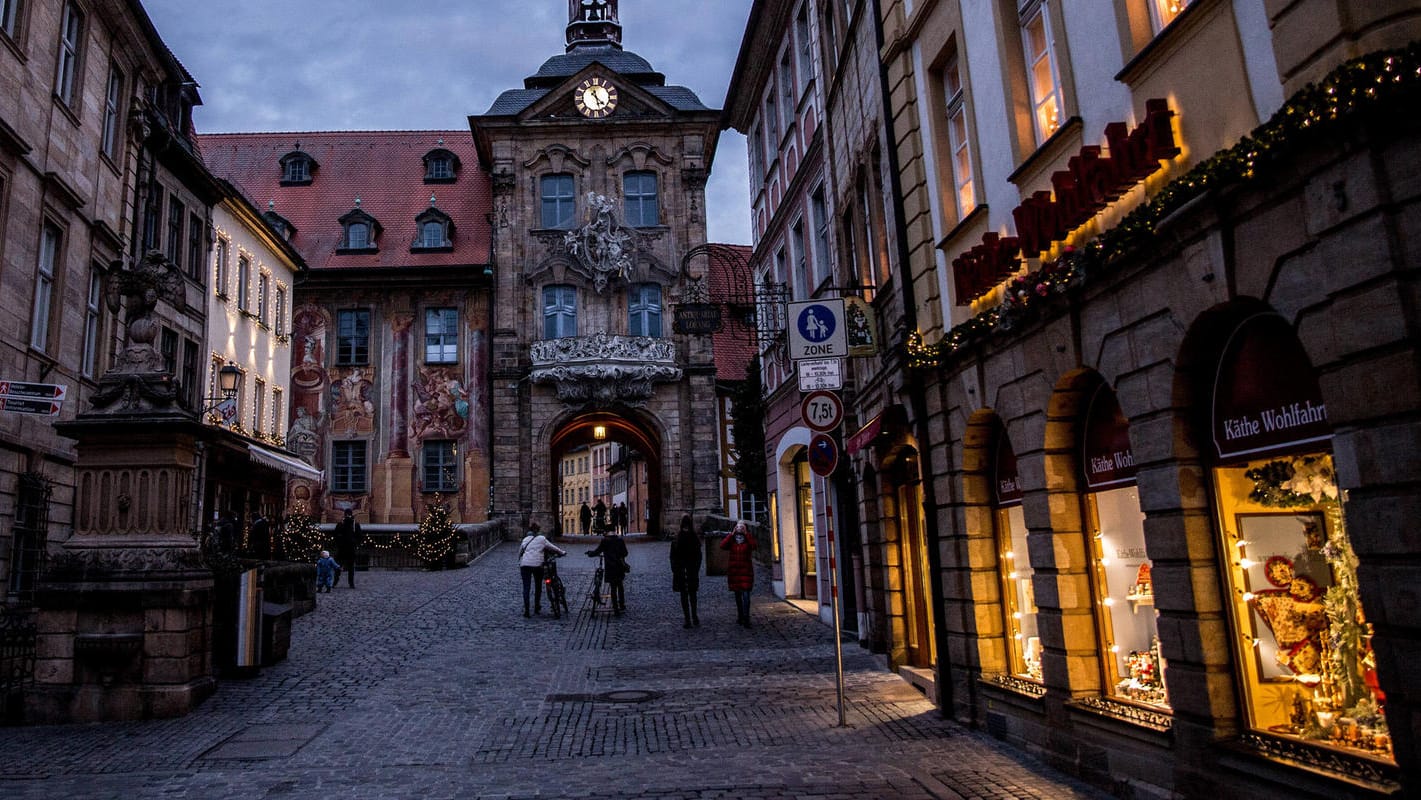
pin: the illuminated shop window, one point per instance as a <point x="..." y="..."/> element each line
<point x="1124" y="592"/>
<point x="1018" y="593"/>
<point x="1302" y="639"/>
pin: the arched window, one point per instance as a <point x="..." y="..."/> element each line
<point x="559" y="312"/>
<point x="644" y="310"/>
<point x="1018" y="593"/>
<point x="434" y="230"/>
<point x="360" y="232"/>
<point x="297" y="168"/>
<point x="440" y="166"/>
<point x="357" y="235"/>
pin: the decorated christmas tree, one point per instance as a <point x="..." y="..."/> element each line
<point x="437" y="534"/>
<point x="301" y="537"/>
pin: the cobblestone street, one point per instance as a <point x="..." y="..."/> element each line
<point x="433" y="685"/>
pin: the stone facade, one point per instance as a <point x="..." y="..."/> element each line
<point x="610" y="358"/>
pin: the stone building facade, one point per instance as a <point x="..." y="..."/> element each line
<point x="1170" y="400"/>
<point x="598" y="171"/>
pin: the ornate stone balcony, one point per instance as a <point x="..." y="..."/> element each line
<point x="604" y="368"/>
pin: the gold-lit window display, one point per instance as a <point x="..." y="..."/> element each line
<point x="1125" y="601"/>
<point x="1018" y="596"/>
<point x="1304" y="645"/>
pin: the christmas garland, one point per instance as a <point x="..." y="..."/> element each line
<point x="1368" y="88"/>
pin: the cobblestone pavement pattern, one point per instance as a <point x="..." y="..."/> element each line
<point x="433" y="685"/>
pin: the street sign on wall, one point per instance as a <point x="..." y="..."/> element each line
<point x="22" y="405"/>
<point x="22" y="397"/>
<point x="816" y="329"/>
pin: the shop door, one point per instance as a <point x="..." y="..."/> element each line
<point x="917" y="600"/>
<point x="804" y="521"/>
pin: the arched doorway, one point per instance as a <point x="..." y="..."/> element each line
<point x="592" y="432"/>
<point x="903" y="506"/>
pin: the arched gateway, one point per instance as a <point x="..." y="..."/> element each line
<point x="598" y="171"/>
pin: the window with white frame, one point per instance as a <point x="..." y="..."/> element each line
<point x="196" y="246"/>
<point x="258" y="405"/>
<point x="93" y="315"/>
<point x="559" y="201"/>
<point x="559" y="312"/>
<point x="957" y="139"/>
<point x="799" y="261"/>
<point x="1041" y="75"/>
<point x="831" y="36"/>
<point x="1163" y="12"/>
<point x="263" y="292"/>
<point x="219" y="272"/>
<point x="440" y="466"/>
<point x="10" y="17"/>
<point x="441" y="336"/>
<point x="49" y="247"/>
<point x="279" y="315"/>
<point x="66" y="78"/>
<point x="803" y="49"/>
<point x="357" y="236"/>
<point x="278" y="411"/>
<point x="644" y="310"/>
<point x="244" y="282"/>
<point x="177" y="216"/>
<point x="348" y="468"/>
<point x="786" y="90"/>
<point x="640" y="193"/>
<point x="819" y="217"/>
<point x="113" y="108"/>
<point x="772" y="128"/>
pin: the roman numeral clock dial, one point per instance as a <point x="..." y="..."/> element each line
<point x="595" y="98"/>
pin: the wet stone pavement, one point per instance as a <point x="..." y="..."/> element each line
<point x="434" y="685"/>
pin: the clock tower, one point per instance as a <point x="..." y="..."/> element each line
<point x="598" y="172"/>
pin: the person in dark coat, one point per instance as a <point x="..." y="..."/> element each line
<point x="613" y="550"/>
<point x="585" y="517"/>
<point x="261" y="536"/>
<point x="740" y="570"/>
<point x="599" y="517"/>
<point x="347" y="539"/>
<point x="227" y="531"/>
<point x="686" y="570"/>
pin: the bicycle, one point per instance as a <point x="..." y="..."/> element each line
<point x="553" y="587"/>
<point x="597" y="579"/>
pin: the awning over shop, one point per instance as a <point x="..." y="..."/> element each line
<point x="865" y="436"/>
<point x="294" y="467"/>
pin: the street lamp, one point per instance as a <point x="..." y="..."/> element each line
<point x="599" y="432"/>
<point x="227" y="378"/>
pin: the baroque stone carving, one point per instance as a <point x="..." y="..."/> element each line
<point x="139" y="380"/>
<point x="604" y="369"/>
<point x="602" y="248"/>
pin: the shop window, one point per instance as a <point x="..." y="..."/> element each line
<point x="348" y="474"/>
<point x="1303" y="641"/>
<point x="804" y="524"/>
<point x="1124" y="592"/>
<point x="1018" y="592"/>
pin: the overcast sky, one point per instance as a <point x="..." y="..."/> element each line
<point x="311" y="65"/>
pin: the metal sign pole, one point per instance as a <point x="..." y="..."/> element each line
<point x="834" y="601"/>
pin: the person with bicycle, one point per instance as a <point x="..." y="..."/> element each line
<point x="530" y="565"/>
<point x="613" y="550"/>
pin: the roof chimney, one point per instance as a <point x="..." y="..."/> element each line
<point x="593" y="23"/>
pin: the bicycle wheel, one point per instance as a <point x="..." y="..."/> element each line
<point x="597" y="587"/>
<point x="557" y="598"/>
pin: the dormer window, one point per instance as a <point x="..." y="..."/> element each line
<point x="297" y="168"/>
<point x="361" y="232"/>
<point x="279" y="223"/>
<point x="440" y="166"/>
<point x="434" y="230"/>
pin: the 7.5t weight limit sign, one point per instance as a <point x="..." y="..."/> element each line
<point x="822" y="410"/>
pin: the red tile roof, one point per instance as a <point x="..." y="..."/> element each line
<point x="385" y="169"/>
<point x="729" y="278"/>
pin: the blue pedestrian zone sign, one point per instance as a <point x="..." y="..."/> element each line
<point x="816" y="329"/>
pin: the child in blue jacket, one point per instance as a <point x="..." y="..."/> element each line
<point x="326" y="569"/>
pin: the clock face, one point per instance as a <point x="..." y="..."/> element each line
<point x="595" y="98"/>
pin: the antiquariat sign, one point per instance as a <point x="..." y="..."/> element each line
<point x="1089" y="183"/>
<point x="697" y="319"/>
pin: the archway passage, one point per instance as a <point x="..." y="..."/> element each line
<point x="587" y="431"/>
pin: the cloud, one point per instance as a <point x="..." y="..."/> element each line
<point x="273" y="65"/>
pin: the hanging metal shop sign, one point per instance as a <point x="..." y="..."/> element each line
<point x="698" y="319"/>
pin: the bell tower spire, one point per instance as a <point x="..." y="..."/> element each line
<point x="593" y="23"/>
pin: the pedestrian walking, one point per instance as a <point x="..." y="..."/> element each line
<point x="599" y="517"/>
<point x="261" y="536"/>
<point x="227" y="531"/>
<point x="622" y="520"/>
<point x="585" y="517"/>
<point x="326" y="569"/>
<point x="347" y="540"/>
<point x="613" y="550"/>
<point x="740" y="570"/>
<point x="686" y="570"/>
<point x="530" y="565"/>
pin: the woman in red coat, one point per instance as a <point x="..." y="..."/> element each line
<point x="740" y="571"/>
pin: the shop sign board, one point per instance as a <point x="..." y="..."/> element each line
<point x="864" y="436"/>
<point x="816" y="329"/>
<point x="823" y="455"/>
<point x="859" y="327"/>
<point x="697" y="319"/>
<point x="1006" y="481"/>
<point x="1106" y="456"/>
<point x="820" y="373"/>
<point x="1090" y="182"/>
<point x="822" y="410"/>
<point x="227" y="410"/>
<point x="1266" y="396"/>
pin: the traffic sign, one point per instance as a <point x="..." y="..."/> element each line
<point x="820" y="373"/>
<point x="822" y="410"/>
<point x="823" y="455"/>
<point x="37" y="391"/>
<point x="23" y="405"/>
<point x="816" y="329"/>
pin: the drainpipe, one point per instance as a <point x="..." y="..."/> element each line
<point x="916" y="397"/>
